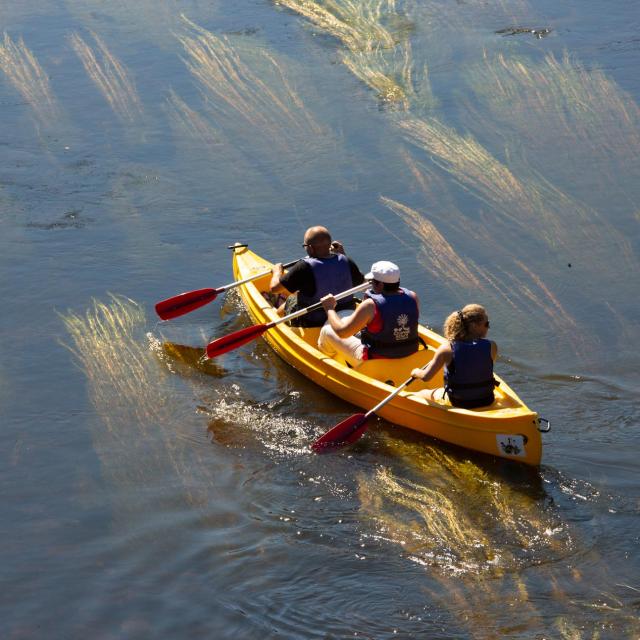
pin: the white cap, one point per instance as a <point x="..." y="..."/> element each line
<point x="384" y="271"/>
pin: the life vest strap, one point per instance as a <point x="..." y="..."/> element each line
<point x="473" y="385"/>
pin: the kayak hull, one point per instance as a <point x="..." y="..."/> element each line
<point x="507" y="428"/>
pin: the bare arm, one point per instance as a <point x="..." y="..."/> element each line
<point x="345" y="327"/>
<point x="415" y="297"/>
<point x="441" y="357"/>
<point x="275" y="287"/>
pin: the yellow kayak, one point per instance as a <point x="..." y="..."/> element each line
<point x="507" y="428"/>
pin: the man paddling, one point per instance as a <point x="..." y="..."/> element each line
<point x="387" y="320"/>
<point x="325" y="270"/>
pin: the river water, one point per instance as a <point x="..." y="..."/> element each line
<point x="490" y="148"/>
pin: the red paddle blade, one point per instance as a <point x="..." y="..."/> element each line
<point x="185" y="302"/>
<point x="234" y="340"/>
<point x="347" y="432"/>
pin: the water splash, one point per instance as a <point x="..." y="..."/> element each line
<point x="232" y="418"/>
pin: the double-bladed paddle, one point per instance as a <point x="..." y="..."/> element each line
<point x="238" y="338"/>
<point x="349" y="430"/>
<point x="191" y="300"/>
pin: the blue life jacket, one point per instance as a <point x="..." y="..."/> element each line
<point x="398" y="335"/>
<point x="332" y="275"/>
<point x="469" y="380"/>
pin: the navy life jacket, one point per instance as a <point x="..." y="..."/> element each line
<point x="469" y="380"/>
<point x="398" y="335"/>
<point x="332" y="275"/>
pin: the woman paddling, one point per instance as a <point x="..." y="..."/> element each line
<point x="467" y="358"/>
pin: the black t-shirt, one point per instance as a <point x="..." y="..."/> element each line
<point x="300" y="278"/>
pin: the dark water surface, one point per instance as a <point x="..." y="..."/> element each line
<point x="148" y="495"/>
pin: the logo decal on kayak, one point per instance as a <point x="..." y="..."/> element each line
<point x="511" y="445"/>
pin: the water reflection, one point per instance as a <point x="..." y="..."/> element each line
<point x="478" y="529"/>
<point x="520" y="287"/>
<point x="440" y="258"/>
<point x="518" y="205"/>
<point x="134" y="397"/>
<point x="450" y="514"/>
<point x="378" y="49"/>
<point x="190" y="122"/>
<point x="516" y="200"/>
<point x="27" y="76"/>
<point x="250" y="85"/>
<point x="109" y="75"/>
<point x="558" y="108"/>
<point x="187" y="357"/>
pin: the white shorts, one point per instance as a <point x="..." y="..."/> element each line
<point x="351" y="349"/>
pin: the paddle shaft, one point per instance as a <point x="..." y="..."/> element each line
<point x="351" y="429"/>
<point x="255" y="276"/>
<point x="390" y="397"/>
<point x="191" y="300"/>
<point x="318" y="305"/>
<point x="238" y="338"/>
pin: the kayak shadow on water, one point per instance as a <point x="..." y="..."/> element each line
<point x="387" y="438"/>
<point x="489" y="531"/>
<point x="171" y="344"/>
<point x="474" y="523"/>
<point x="183" y="359"/>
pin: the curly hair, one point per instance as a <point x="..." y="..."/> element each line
<point x="456" y="326"/>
